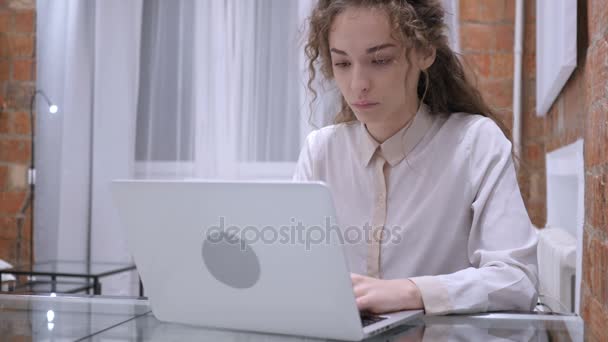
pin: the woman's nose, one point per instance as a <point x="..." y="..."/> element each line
<point x="360" y="82"/>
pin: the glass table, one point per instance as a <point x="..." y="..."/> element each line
<point x="43" y="287"/>
<point x="48" y="318"/>
<point x="98" y="318"/>
<point x="61" y="275"/>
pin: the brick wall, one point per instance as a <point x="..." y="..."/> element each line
<point x="581" y="111"/>
<point x="590" y="84"/>
<point x="17" y="82"/>
<point x="487" y="39"/>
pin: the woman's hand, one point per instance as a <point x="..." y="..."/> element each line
<point x="381" y="296"/>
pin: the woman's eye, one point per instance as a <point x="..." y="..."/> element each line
<point x="382" y="61"/>
<point x="342" y="64"/>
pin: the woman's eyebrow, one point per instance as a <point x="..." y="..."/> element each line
<point x="368" y="51"/>
<point x="379" y="47"/>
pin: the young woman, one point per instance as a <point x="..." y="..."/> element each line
<point x="417" y="163"/>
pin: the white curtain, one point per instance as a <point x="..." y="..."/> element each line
<point x="165" y="119"/>
<point x="452" y="18"/>
<point x="64" y="38"/>
<point x="88" y="64"/>
<point x="223" y="91"/>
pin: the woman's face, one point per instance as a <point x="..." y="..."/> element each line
<point x="370" y="67"/>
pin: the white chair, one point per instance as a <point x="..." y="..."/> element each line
<point x="7" y="279"/>
<point x="556" y="270"/>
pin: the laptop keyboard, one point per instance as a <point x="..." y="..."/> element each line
<point x="367" y="319"/>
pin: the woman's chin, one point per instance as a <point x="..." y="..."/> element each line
<point x="369" y="118"/>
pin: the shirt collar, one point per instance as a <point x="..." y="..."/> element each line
<point x="400" y="144"/>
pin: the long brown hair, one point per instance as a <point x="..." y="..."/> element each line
<point x="418" y="23"/>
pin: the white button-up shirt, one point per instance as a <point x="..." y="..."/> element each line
<point x="438" y="203"/>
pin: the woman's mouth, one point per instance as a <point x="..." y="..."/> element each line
<point x="364" y="104"/>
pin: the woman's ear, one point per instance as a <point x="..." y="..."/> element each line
<point x="426" y="57"/>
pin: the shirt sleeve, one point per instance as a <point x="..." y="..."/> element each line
<point x="304" y="167"/>
<point x="502" y="241"/>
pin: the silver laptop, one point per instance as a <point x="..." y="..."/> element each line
<point x="255" y="256"/>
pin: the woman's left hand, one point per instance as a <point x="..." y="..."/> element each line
<point x="381" y="296"/>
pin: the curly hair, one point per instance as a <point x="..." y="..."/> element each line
<point x="416" y="23"/>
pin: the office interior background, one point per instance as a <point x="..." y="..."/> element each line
<point x="186" y="89"/>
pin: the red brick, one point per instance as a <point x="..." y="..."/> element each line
<point x="529" y="65"/>
<point x="8" y="250"/>
<point x="574" y="100"/>
<point x="28" y="217"/>
<point x="21" y="123"/>
<point x="597" y="12"/>
<point x="599" y="201"/>
<point x="3" y="104"/>
<point x="595" y="251"/>
<point x="529" y="98"/>
<point x="4" y="45"/>
<point x="469" y="10"/>
<point x="21" y="4"/>
<point x="477" y="37"/>
<point x="19" y="95"/>
<point x="598" y="71"/>
<point x="509" y="10"/>
<point x="534" y="152"/>
<point x="588" y="75"/>
<point x="3" y="177"/>
<point x="492" y="10"/>
<point x="502" y="65"/>
<point x="587" y="264"/>
<point x="595" y="316"/>
<point x="27" y="226"/>
<point x="572" y="135"/>
<point x="4" y="123"/>
<point x="480" y="63"/>
<point x="530" y="39"/>
<point x="25" y="21"/>
<point x="498" y="93"/>
<point x="15" y="151"/>
<point x="602" y="271"/>
<point x="532" y="125"/>
<point x="504" y="38"/>
<point x="5" y="21"/>
<point x="530" y="11"/>
<point x="487" y="11"/>
<point x="556" y="117"/>
<point x="552" y="143"/>
<point x="535" y="194"/>
<point x="538" y="216"/>
<point x="8" y="228"/>
<point x="11" y="202"/>
<point x="596" y="136"/>
<point x="21" y="45"/>
<point x="17" y="177"/>
<point x="505" y="116"/>
<point x="596" y="200"/>
<point x="23" y="70"/>
<point x="4" y="71"/>
<point x="538" y="181"/>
